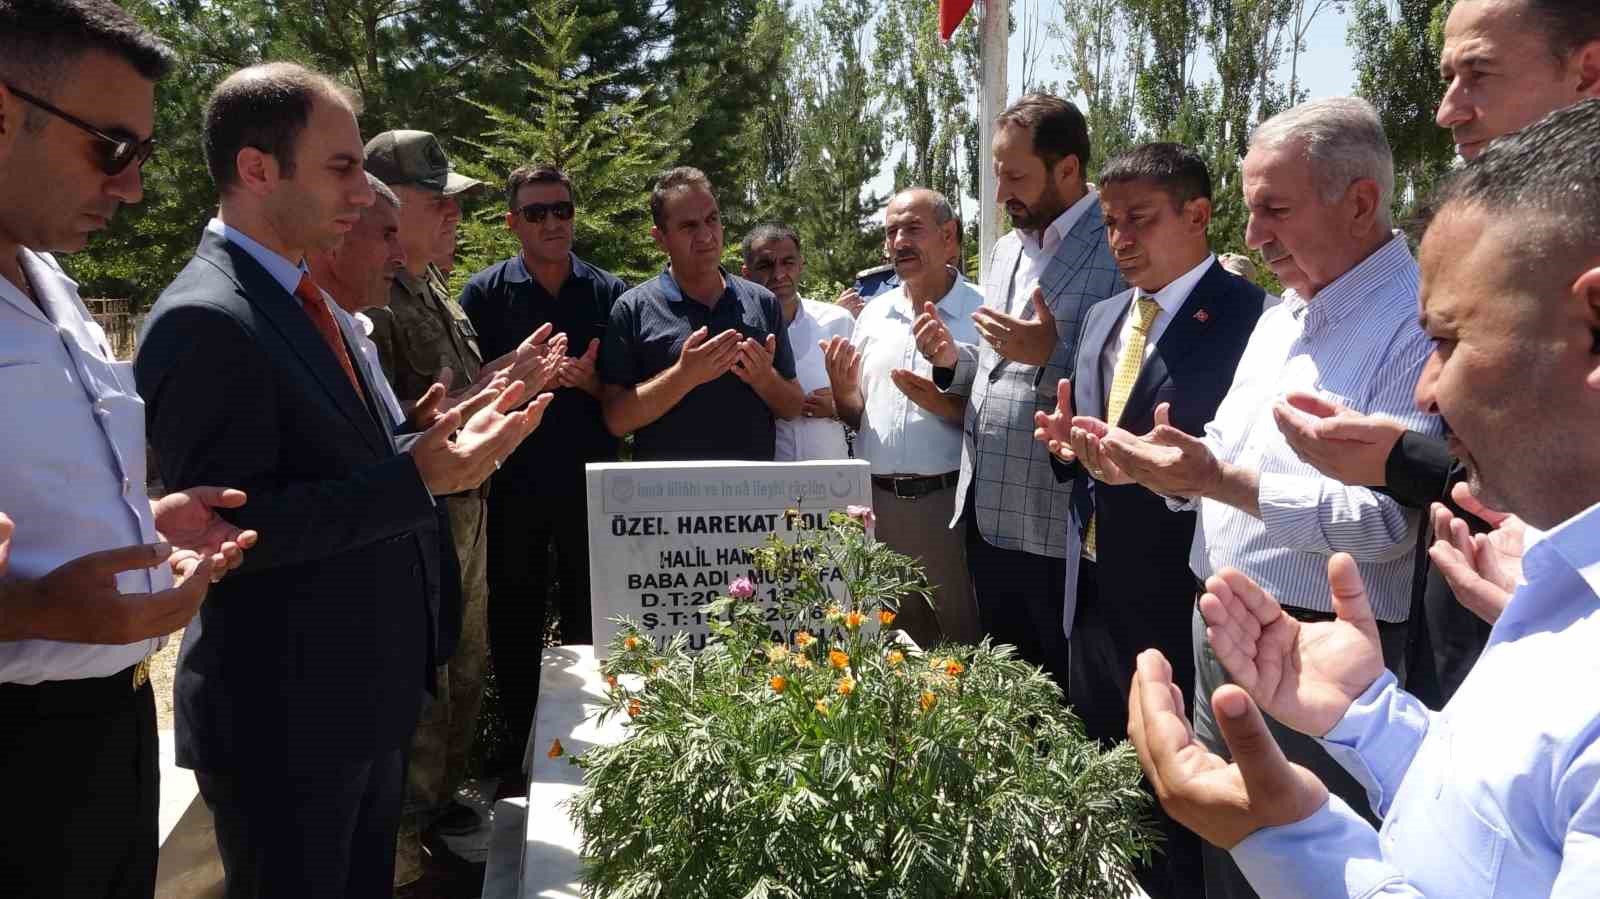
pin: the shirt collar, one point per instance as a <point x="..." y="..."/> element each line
<point x="1354" y="288"/>
<point x="669" y="284"/>
<point x="1172" y="297"/>
<point x="283" y="271"/>
<point x="901" y="301"/>
<point x="1574" y="544"/>
<point x="417" y="287"/>
<point x="1063" y="224"/>
<point x="517" y="268"/>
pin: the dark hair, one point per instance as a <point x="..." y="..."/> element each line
<point x="1544" y="176"/>
<point x="38" y="36"/>
<point x="1056" y="126"/>
<point x="766" y="234"/>
<point x="1567" y="24"/>
<point x="535" y="174"/>
<point x="266" y="107"/>
<point x="684" y="176"/>
<point x="1175" y="169"/>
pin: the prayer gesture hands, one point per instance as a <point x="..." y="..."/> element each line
<point x="1027" y="341"/>
<point x="1482" y="569"/>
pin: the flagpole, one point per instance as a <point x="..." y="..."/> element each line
<point x="992" y="39"/>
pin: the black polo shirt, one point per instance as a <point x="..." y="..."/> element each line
<point x="506" y="305"/>
<point x="722" y="419"/>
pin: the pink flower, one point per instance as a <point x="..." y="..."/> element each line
<point x="862" y="514"/>
<point x="741" y="588"/>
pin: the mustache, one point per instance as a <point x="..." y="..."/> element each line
<point x="1272" y="252"/>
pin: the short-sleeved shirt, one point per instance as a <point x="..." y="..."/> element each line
<point x="723" y="419"/>
<point x="807" y="439"/>
<point x="506" y="304"/>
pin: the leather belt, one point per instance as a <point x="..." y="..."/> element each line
<point x="915" y="486"/>
<point x="58" y="696"/>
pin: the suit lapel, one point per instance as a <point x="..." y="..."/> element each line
<point x="1081" y="239"/>
<point x="1099" y="329"/>
<point x="1199" y="312"/>
<point x="279" y="307"/>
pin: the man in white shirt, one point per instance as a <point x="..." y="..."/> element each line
<point x="93" y="575"/>
<point x="772" y="258"/>
<point x="1498" y="794"/>
<point x="1318" y="182"/>
<point x="907" y="428"/>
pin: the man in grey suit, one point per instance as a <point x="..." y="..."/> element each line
<point x="1041" y="279"/>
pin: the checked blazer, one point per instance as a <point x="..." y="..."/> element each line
<point x="1018" y="502"/>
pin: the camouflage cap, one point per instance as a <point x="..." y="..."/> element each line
<point x="414" y="159"/>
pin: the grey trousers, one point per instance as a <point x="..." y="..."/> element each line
<point x="1224" y="880"/>
<point x="920" y="528"/>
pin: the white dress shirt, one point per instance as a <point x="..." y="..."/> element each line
<point x="1358" y="343"/>
<point x="1498" y="794"/>
<point x="1037" y="252"/>
<point x="74" y="451"/>
<point x="804" y="439"/>
<point x="897" y="436"/>
<point x="357" y="330"/>
<point x="1169" y="300"/>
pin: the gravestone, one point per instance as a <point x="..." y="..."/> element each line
<point x="666" y="539"/>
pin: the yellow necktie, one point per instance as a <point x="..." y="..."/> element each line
<point x="1128" y="365"/>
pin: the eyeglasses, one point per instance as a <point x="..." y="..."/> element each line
<point x="116" y="153"/>
<point x="534" y="213"/>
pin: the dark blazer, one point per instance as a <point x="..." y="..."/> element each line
<point x="317" y="650"/>
<point x="1142" y="546"/>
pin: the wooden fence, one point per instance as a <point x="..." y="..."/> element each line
<point x="120" y="323"/>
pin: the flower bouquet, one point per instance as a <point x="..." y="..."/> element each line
<point x="807" y="753"/>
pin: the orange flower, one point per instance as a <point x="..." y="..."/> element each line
<point x="885" y="617"/>
<point x="630" y="643"/>
<point x="778" y="682"/>
<point x="853" y="620"/>
<point x="634" y="708"/>
<point x="838" y="659"/>
<point x="803" y="639"/>
<point x="555" y="750"/>
<point x="896" y="658"/>
<point x="953" y="667"/>
<point x="926" y="700"/>
<point x="822" y="707"/>
<point x="611" y="681"/>
<point x="846" y="685"/>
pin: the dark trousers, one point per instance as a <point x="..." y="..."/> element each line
<point x="1109" y="630"/>
<point x="1224" y="880"/>
<point x="1020" y="599"/>
<point x="523" y="533"/>
<point x="322" y="834"/>
<point x="80" y="773"/>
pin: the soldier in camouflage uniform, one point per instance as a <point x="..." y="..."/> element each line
<point x="422" y="333"/>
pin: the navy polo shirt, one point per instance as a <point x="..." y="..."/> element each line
<point x="723" y="419"/>
<point x="506" y="305"/>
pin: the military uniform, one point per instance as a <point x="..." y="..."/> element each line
<point x="422" y="331"/>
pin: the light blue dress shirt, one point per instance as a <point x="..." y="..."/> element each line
<point x="1498" y="795"/>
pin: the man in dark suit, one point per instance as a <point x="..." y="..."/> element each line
<point x="298" y="687"/>
<point x="1173" y="341"/>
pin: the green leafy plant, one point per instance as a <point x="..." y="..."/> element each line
<point x="806" y="753"/>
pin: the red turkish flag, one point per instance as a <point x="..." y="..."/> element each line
<point x="951" y="12"/>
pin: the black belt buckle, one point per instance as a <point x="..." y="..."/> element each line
<point x="915" y="487"/>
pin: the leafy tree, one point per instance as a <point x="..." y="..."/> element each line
<point x="1397" y="46"/>
<point x="926" y="87"/>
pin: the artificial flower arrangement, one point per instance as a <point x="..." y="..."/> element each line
<point x="810" y="755"/>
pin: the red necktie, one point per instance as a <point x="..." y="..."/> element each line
<point x="316" y="307"/>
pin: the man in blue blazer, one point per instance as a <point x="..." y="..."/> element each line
<point x="1171" y="342"/>
<point x="299" y="684"/>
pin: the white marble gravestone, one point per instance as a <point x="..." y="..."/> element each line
<point x="666" y="539"/>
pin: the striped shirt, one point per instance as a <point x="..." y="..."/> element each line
<point x="1358" y="344"/>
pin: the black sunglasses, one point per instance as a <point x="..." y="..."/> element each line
<point x="117" y="153"/>
<point x="534" y="213"/>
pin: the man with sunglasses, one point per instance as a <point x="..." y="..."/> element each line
<point x="93" y="575"/>
<point x="423" y="336"/>
<point x="538" y="496"/>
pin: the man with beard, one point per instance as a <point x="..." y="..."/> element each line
<point x="537" y="530"/>
<point x="1041" y="278"/>
<point x="906" y="427"/>
<point x="696" y="363"/>
<point x="1495" y="795"/>
<point x="772" y="258"/>
<point x="1318" y="182"/>
<point x="1505" y="64"/>
<point x="298" y="689"/>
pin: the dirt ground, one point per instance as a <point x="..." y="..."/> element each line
<point x="162" y="667"/>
